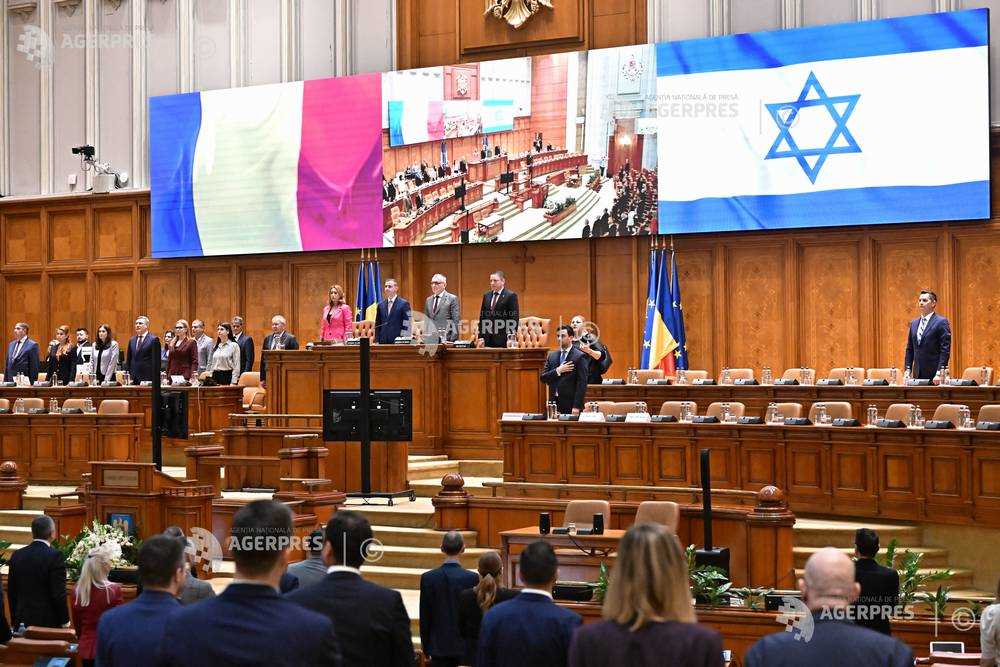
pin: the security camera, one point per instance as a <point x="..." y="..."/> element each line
<point x="87" y="151"/>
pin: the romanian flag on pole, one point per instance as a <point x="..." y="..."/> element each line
<point x="681" y="353"/>
<point x="659" y="344"/>
<point x="369" y="284"/>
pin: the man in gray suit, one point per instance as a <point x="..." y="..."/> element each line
<point x="312" y="569"/>
<point x="442" y="308"/>
<point x="194" y="589"/>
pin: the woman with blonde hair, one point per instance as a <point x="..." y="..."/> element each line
<point x="93" y="596"/>
<point x="476" y="601"/>
<point x="648" y="615"/>
<point x="62" y="358"/>
<point x="338" y="321"/>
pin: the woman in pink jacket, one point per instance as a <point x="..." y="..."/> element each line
<point x="338" y="321"/>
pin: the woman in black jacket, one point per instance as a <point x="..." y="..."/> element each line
<point x="588" y="343"/>
<point x="476" y="601"/>
<point x="62" y="358"/>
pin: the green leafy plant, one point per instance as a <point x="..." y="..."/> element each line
<point x="889" y="559"/>
<point x="911" y="579"/>
<point x="976" y="607"/>
<point x="562" y="206"/>
<point x="709" y="584"/>
<point x="4" y="558"/>
<point x="601" y="587"/>
<point x="937" y="601"/>
<point x="753" y="598"/>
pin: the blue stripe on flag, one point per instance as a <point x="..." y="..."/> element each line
<point x="830" y="208"/>
<point x="396" y="123"/>
<point x="174" y="123"/>
<point x="760" y="50"/>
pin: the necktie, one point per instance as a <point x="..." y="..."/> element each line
<point x="493" y="303"/>
<point x="388" y="306"/>
<point x="920" y="329"/>
<point x="276" y="343"/>
<point x="562" y="357"/>
<point x="17" y="349"/>
<point x="139" y="344"/>
<point x="437" y="298"/>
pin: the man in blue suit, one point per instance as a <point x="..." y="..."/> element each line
<point x="928" y="347"/>
<point x="827" y="636"/>
<point x="392" y="317"/>
<point x="249" y="623"/>
<point x="530" y="630"/>
<point x="22" y="355"/>
<point x="566" y="372"/>
<point x="140" y="359"/>
<point x="131" y="634"/>
<point x="439" y="589"/>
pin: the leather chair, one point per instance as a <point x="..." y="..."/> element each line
<point x="33" y="403"/>
<point x="835" y="410"/>
<point x="21" y="651"/>
<point x="533" y="332"/>
<point x="581" y="513"/>
<point x="113" y="406"/>
<point x="900" y="411"/>
<point x="253" y="399"/>
<point x="674" y="408"/>
<point x="738" y="374"/>
<point x="948" y="412"/>
<point x="989" y="413"/>
<point x="735" y="408"/>
<point x="4" y="404"/>
<point x="364" y="329"/>
<point x="249" y="379"/>
<point x="71" y="403"/>
<point x="643" y="374"/>
<point x="841" y="373"/>
<point x="789" y="409"/>
<point x="798" y="374"/>
<point x="882" y="374"/>
<point x="617" y="408"/>
<point x="976" y="373"/>
<point x="664" y="512"/>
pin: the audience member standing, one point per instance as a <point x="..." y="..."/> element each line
<point x="61" y="362"/>
<point x="312" y="569"/>
<point x="648" y="616"/>
<point x="139" y="363"/>
<point x="245" y="342"/>
<point x="392" y="315"/>
<point x="565" y="373"/>
<point x="278" y="339"/>
<point x="182" y="353"/>
<point x="204" y="343"/>
<point x="193" y="589"/>
<point x="131" y="634"/>
<point x="105" y="356"/>
<point x="371" y="621"/>
<point x="879" y="585"/>
<point x="476" y="601"/>
<point x="337" y="323"/>
<point x="36" y="583"/>
<point x="249" y="623"/>
<point x="224" y="362"/>
<point x="498" y="314"/>
<point x="92" y="596"/>
<point x="22" y="355"/>
<point x="989" y="633"/>
<point x="439" y="589"/>
<point x="829" y="589"/>
<point x="531" y="630"/>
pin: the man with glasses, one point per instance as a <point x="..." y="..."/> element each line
<point x="278" y="339"/>
<point x="205" y="344"/>
<point x="442" y="311"/>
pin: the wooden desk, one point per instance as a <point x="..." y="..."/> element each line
<point x="457" y="393"/>
<point x="557" y="163"/>
<point x="580" y="559"/>
<point x="756" y="397"/>
<point x="208" y="409"/>
<point x="483" y="170"/>
<point x="409" y="231"/>
<point x="950" y="476"/>
<point x="519" y="163"/>
<point x="59" y="448"/>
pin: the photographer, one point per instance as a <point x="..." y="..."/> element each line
<point x="586" y="340"/>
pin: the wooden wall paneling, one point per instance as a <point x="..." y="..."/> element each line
<point x="755" y="289"/>
<point x="612" y="296"/>
<point x="484" y="37"/>
<point x="698" y="304"/>
<point x="556" y="282"/>
<point x="829" y="326"/>
<point x="113" y="227"/>
<point x="902" y="269"/>
<point x="617" y="22"/>
<point x="68" y="303"/>
<point x="162" y="299"/>
<point x="479" y="261"/>
<point x="261" y="298"/>
<point x="23" y="303"/>
<point x="310" y="285"/>
<point x="23" y="237"/>
<point x="975" y="313"/>
<point x="437" y="33"/>
<point x="68" y="233"/>
<point x="212" y="294"/>
<point x="114" y="300"/>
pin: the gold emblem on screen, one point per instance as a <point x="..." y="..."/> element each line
<point x="515" y="12"/>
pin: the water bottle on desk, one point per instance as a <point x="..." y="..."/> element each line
<point x="681" y="376"/>
<point x="725" y="413"/>
<point x="633" y="376"/>
<point x="88" y="405"/>
<point x="906" y="375"/>
<point x="163" y="379"/>
<point x="725" y="375"/>
<point x="984" y="376"/>
<point x="918" y="418"/>
<point x="893" y="376"/>
<point x="945" y="375"/>
<point x="641" y="407"/>
<point x="19" y="406"/>
<point x="511" y="341"/>
<point x="872" y="415"/>
<point x="821" y="416"/>
<point x="53" y="405"/>
<point x="766" y="377"/>
<point x="772" y="410"/>
<point x="851" y="376"/>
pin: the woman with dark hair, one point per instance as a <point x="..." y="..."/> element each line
<point x="476" y="601"/>
<point x="105" y="356"/>
<point x="224" y="362"/>
<point x="62" y="358"/>
<point x="338" y="321"/>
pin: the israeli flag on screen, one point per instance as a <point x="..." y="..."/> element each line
<point x="861" y="123"/>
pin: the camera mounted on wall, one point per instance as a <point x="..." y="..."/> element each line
<point x="106" y="178"/>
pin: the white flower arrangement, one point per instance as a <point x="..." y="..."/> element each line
<point x="100" y="538"/>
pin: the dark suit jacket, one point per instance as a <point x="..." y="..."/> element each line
<point x="495" y="323"/>
<point x="63" y="367"/>
<point x="36" y="586"/>
<point x="391" y="325"/>
<point x="470" y="619"/>
<point x="371" y="621"/>
<point x="27" y="362"/>
<point x="248" y="624"/>
<point x="246" y="352"/>
<point x="4" y="626"/>
<point x="879" y="588"/>
<point x="596" y="368"/>
<point x="833" y="644"/>
<point x="439" y="589"/>
<point x="569" y="389"/>
<point x="139" y="363"/>
<point x="669" y="643"/>
<point x="529" y="631"/>
<point x="131" y="634"/>
<point x="934" y="349"/>
<point x="291" y="343"/>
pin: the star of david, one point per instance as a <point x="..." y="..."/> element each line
<point x="841" y="140"/>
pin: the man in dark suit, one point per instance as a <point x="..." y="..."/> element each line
<point x="439" y="589"/>
<point x="36" y="584"/>
<point x="496" y="151"/>
<point x="566" y="373"/>
<point x="278" y="339"/>
<point x="928" y="347"/>
<point x="531" y="630"/>
<point x="483" y="154"/>
<point x="245" y="342"/>
<point x="131" y="634"/>
<point x="826" y="636"/>
<point x="249" y="623"/>
<point x="586" y="229"/>
<point x="879" y="584"/>
<point x="392" y="316"/>
<point x="22" y="355"/>
<point x="140" y="360"/>
<point x="371" y="621"/>
<point x="499" y="314"/>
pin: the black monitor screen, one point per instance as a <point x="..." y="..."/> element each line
<point x="174" y="414"/>
<point x="390" y="412"/>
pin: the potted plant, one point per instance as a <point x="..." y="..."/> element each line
<point x="560" y="210"/>
<point x="937" y="601"/>
<point x="752" y="598"/>
<point x="601" y="587"/>
<point x="124" y="549"/>
<point x="709" y="584"/>
<point x="911" y="579"/>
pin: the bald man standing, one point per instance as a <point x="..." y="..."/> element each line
<point x="827" y="637"/>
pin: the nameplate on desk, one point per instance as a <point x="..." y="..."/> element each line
<point x="704" y="419"/>
<point x="41" y="383"/>
<point x="464" y="344"/>
<point x="110" y="384"/>
<point x="880" y="382"/>
<point x="702" y="381"/>
<point x="890" y="423"/>
<point x="38" y="411"/>
<point x="6" y="411"/>
<point x="846" y="421"/>
<point x="121" y="478"/>
<point x="77" y="384"/>
<point x="146" y="383"/>
<point x="661" y="419"/>
<point x="533" y="417"/>
<point x="963" y="383"/>
<point x="637" y="418"/>
<point x="786" y="381"/>
<point x="569" y="418"/>
<point x="403" y="340"/>
<point x="72" y="411"/>
<point x="797" y="421"/>
<point x="512" y="416"/>
<point x="938" y="423"/>
<point x="745" y="381"/>
<point x="352" y="341"/>
<point x="178" y="380"/>
<point x="592" y="417"/>
<point x="613" y="381"/>
<point x="657" y="381"/>
<point x="614" y="418"/>
<point x="750" y="420"/>
<point x="918" y="383"/>
<point x="988" y="426"/>
<point x="8" y="384"/>
<point x="830" y="382"/>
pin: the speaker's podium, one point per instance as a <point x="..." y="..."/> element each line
<point x="145" y="499"/>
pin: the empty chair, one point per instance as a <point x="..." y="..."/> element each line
<point x="800" y="375"/>
<point x="644" y="374"/>
<point x="4" y="404"/>
<point x="249" y="393"/>
<point x="664" y="512"/>
<point x="900" y="411"/>
<point x="71" y="403"/>
<point x="258" y="403"/>
<point x="581" y="513"/>
<point x="835" y="409"/>
<point x="673" y="408"/>
<point x="533" y="332"/>
<point x="738" y="374"/>
<point x="617" y="408"/>
<point x="789" y="410"/>
<point x="249" y="379"/>
<point x="881" y="374"/>
<point x="949" y="412"/>
<point x="989" y="413"/>
<point x="113" y="406"/>
<point x="976" y="373"/>
<point x="843" y="373"/>
<point x="33" y="403"/>
<point x="735" y="408"/>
